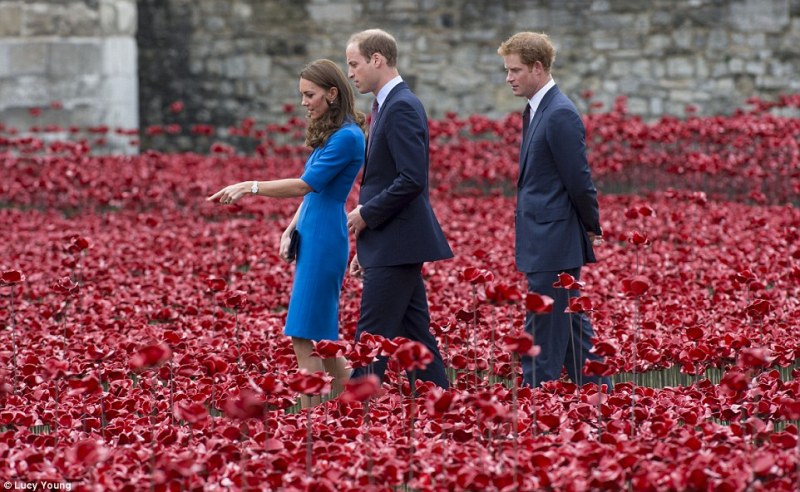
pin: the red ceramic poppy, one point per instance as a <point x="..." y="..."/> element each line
<point x="538" y="303"/>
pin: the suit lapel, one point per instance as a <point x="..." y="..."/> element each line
<point x="378" y="123"/>
<point x="528" y="137"/>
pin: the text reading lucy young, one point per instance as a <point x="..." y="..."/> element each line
<point x="15" y="485"/>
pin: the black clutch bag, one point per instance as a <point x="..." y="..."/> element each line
<point x="294" y="245"/>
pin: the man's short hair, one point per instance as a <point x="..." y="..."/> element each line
<point x="374" y="41"/>
<point x="531" y="47"/>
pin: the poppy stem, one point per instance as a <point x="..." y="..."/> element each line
<point x="366" y="434"/>
<point x="514" y="413"/>
<point x="243" y="461"/>
<point x="55" y="413"/>
<point x="572" y="343"/>
<point x="171" y="393"/>
<point x="491" y="348"/>
<point x="64" y="331"/>
<point x="475" y="332"/>
<point x="599" y="406"/>
<point x="534" y="425"/>
<point x="309" y="444"/>
<point x="635" y="354"/>
<point x="238" y="341"/>
<point x="102" y="401"/>
<point x="14" y="341"/>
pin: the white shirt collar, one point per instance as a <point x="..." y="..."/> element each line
<point x="386" y="89"/>
<point x="537" y="98"/>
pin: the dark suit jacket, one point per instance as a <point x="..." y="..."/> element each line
<point x="401" y="226"/>
<point x="556" y="198"/>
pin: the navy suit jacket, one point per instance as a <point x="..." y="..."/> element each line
<point x="556" y="198"/>
<point x="401" y="226"/>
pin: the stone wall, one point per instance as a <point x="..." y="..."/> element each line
<point x="79" y="54"/>
<point x="231" y="59"/>
<point x="228" y="59"/>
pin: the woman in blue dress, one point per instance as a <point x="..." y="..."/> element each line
<point x="335" y="132"/>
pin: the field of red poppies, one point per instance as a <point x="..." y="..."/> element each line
<point x="142" y="344"/>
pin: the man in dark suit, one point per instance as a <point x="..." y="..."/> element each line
<point x="395" y="228"/>
<point x="557" y="215"/>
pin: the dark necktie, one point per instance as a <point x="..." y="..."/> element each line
<point x="526" y="120"/>
<point x="373" y="116"/>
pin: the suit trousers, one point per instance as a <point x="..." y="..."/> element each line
<point x="394" y="303"/>
<point x="565" y="338"/>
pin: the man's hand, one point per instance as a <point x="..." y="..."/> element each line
<point x="595" y="239"/>
<point x="355" y="268"/>
<point x="355" y="223"/>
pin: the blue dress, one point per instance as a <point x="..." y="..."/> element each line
<point x="324" y="246"/>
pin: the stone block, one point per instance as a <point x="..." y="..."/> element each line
<point x="769" y="82"/>
<point x="26" y="57"/>
<point x="79" y="19"/>
<point x="614" y="21"/>
<point x="25" y="91"/>
<point x="4" y="68"/>
<point x="682" y="38"/>
<point x="657" y="43"/>
<point x="119" y="56"/>
<point x="123" y="115"/>
<point x="236" y="67"/>
<point x="118" y="17"/>
<point x="760" y="15"/>
<point x="637" y="105"/>
<point x="324" y="13"/>
<point x="86" y="88"/>
<point x="719" y="69"/>
<point x="755" y="67"/>
<point x="701" y="67"/>
<point x="10" y="20"/>
<point x="460" y="80"/>
<point x="127" y="17"/>
<point x="41" y="19"/>
<point x="619" y="68"/>
<point x="736" y="65"/>
<point x="258" y="66"/>
<point x="717" y="40"/>
<point x="781" y="69"/>
<point x="629" y="85"/>
<point x="214" y="24"/>
<point x="610" y="87"/>
<point x="605" y="41"/>
<point x="680" y="67"/>
<point x="656" y="105"/>
<point x="465" y="55"/>
<point x="242" y="10"/>
<point x="120" y="89"/>
<point x="75" y="57"/>
<point x="214" y="66"/>
<point x="642" y="68"/>
<point x="532" y="19"/>
<point x="757" y="41"/>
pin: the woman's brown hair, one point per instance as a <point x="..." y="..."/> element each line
<point x="327" y="74"/>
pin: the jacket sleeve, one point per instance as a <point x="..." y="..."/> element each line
<point x="566" y="138"/>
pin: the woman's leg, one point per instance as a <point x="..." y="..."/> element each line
<point x="302" y="350"/>
<point x="338" y="369"/>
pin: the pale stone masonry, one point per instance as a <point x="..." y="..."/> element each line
<point x="79" y="54"/>
<point x="230" y="59"/>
